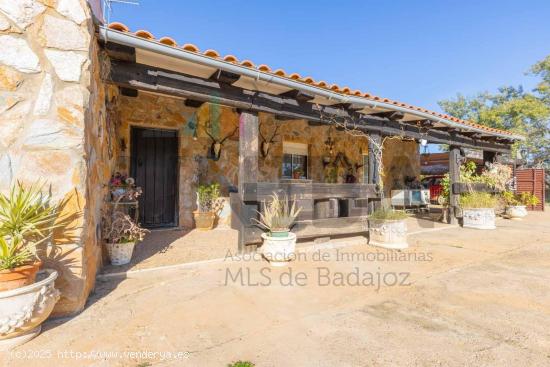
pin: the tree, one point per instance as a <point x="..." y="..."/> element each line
<point x="513" y="109"/>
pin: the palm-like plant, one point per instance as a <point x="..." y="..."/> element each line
<point x="278" y="214"/>
<point x="26" y="219"/>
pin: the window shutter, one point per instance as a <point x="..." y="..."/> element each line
<point x="295" y="148"/>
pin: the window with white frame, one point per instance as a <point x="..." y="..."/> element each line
<point x="295" y="160"/>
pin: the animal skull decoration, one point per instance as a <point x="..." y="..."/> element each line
<point x="266" y="143"/>
<point x="216" y="146"/>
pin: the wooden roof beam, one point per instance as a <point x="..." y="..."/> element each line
<point x="348" y="106"/>
<point x="120" y="52"/>
<point x="225" y="77"/>
<point x="298" y="95"/>
<point x="390" y="115"/>
<point x="128" y="92"/>
<point x="193" y="103"/>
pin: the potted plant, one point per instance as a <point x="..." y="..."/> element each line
<point x="388" y="229"/>
<point x="121" y="234"/>
<point x="207" y="197"/>
<point x="277" y="218"/>
<point x="478" y="210"/>
<point x="297" y="173"/>
<point x="27" y="296"/>
<point x="516" y="204"/>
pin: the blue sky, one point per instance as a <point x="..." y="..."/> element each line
<point x="409" y="50"/>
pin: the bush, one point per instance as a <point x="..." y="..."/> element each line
<point x="388" y="214"/>
<point x="525" y="198"/>
<point x="477" y="200"/>
<point x="208" y="195"/>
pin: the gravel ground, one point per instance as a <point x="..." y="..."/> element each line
<point x="457" y="297"/>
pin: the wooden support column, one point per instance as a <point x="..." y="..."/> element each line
<point x="242" y="212"/>
<point x="374" y="176"/>
<point x="454" y="176"/>
<point x="248" y="149"/>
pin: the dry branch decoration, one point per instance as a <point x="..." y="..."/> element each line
<point x="351" y="127"/>
<point x="121" y="229"/>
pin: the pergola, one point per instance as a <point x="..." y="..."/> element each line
<point x="140" y="62"/>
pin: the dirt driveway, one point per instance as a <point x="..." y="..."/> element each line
<point x="457" y="297"/>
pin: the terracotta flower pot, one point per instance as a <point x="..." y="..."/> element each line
<point x="18" y="277"/>
<point x="204" y="221"/>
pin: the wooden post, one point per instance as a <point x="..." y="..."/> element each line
<point x="374" y="176"/>
<point x="454" y="176"/>
<point x="248" y="173"/>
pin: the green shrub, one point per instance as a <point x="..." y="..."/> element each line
<point x="476" y="200"/>
<point x="525" y="198"/>
<point x="388" y="214"/>
<point x="208" y="195"/>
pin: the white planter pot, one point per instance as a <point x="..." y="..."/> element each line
<point x="120" y="253"/>
<point x="22" y="310"/>
<point x="479" y="218"/>
<point x="516" y="211"/>
<point x="390" y="234"/>
<point x="279" y="250"/>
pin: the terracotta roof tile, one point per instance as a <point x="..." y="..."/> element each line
<point x="230" y="58"/>
<point x="264" y="68"/>
<point x="211" y="53"/>
<point x="294" y="76"/>
<point x="190" y="47"/>
<point x="247" y="63"/>
<point x="118" y="27"/>
<point x="145" y="34"/>
<point x="168" y="41"/>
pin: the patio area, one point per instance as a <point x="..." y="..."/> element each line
<point x="471" y="298"/>
<point x="177" y="247"/>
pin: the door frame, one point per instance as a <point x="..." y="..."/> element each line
<point x="133" y="164"/>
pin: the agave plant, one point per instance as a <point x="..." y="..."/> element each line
<point x="278" y="214"/>
<point x="27" y="219"/>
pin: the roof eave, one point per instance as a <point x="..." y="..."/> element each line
<point x="132" y="40"/>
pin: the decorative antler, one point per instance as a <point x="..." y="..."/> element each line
<point x="266" y="143"/>
<point x="272" y="139"/>
<point x="216" y="147"/>
<point x="230" y="135"/>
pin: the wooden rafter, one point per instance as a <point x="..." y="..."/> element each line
<point x="149" y="78"/>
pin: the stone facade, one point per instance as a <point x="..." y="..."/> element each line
<point x="156" y="111"/>
<point x="52" y="127"/>
<point x="61" y="124"/>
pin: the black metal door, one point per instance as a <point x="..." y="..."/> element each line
<point x="154" y="167"/>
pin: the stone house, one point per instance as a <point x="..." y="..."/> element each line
<point x="81" y="100"/>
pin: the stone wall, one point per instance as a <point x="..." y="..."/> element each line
<point x="156" y="111"/>
<point x="400" y="159"/>
<point x="52" y="127"/>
